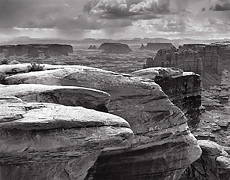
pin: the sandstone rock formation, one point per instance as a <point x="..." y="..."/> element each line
<point x="117" y="48"/>
<point x="46" y="141"/>
<point x="214" y="163"/>
<point x="65" y="95"/>
<point x="156" y="46"/>
<point x="193" y="57"/>
<point x="35" y="50"/>
<point x="162" y="147"/>
<point x="183" y="89"/>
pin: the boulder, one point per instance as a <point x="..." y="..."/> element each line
<point x="163" y="145"/>
<point x="65" y="95"/>
<point x="45" y="141"/>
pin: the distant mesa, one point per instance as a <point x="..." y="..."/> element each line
<point x="156" y="46"/>
<point x="117" y="48"/>
<point x="35" y="50"/>
<point x="92" y="47"/>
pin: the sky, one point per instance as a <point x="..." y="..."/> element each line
<point x="115" y="19"/>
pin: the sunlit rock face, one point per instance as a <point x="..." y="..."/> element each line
<point x="183" y="89"/>
<point x="65" y="95"/>
<point x="46" y="141"/>
<point x="36" y="50"/>
<point x="117" y="48"/>
<point x="162" y="147"/>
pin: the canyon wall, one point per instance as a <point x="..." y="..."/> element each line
<point x="192" y="57"/>
<point x="183" y="89"/>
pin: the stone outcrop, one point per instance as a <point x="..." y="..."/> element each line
<point x="213" y="164"/>
<point x="50" y="141"/>
<point x="162" y="148"/>
<point x="65" y="95"/>
<point x="36" y="50"/>
<point x="116" y="48"/>
<point x="156" y="46"/>
<point x="183" y="89"/>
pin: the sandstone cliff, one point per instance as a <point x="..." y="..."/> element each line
<point x="162" y="148"/>
<point x="183" y="89"/>
<point x="198" y="58"/>
<point x="117" y="48"/>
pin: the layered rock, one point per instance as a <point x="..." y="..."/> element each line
<point x="214" y="163"/>
<point x="163" y="146"/>
<point x="65" y="95"/>
<point x="188" y="60"/>
<point x="35" y="50"/>
<point x="115" y="48"/>
<point x="156" y="46"/>
<point x="183" y="89"/>
<point x="49" y="141"/>
<point x="193" y="57"/>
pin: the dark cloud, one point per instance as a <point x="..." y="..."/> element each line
<point x="221" y="5"/>
<point x="37" y="13"/>
<point x="75" y="17"/>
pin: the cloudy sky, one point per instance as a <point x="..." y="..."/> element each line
<point x="117" y="19"/>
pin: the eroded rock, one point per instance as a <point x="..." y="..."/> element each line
<point x="163" y="146"/>
<point x="51" y="141"/>
<point x="65" y="95"/>
<point x="214" y="164"/>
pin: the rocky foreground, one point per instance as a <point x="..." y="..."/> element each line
<point x="77" y="122"/>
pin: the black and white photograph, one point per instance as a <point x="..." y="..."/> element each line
<point x="114" y="89"/>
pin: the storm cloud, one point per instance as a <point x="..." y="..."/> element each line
<point x="221" y="5"/>
<point x="112" y="18"/>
